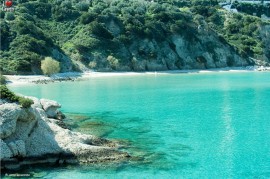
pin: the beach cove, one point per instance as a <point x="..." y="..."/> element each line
<point x="72" y="76"/>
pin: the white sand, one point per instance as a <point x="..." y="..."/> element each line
<point x="22" y="79"/>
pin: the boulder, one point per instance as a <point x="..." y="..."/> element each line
<point x="9" y="114"/>
<point x="42" y="139"/>
<point x="36" y="101"/>
<point x="27" y="115"/>
<point x="50" y="107"/>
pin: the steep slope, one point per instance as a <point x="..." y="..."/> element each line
<point x="130" y="35"/>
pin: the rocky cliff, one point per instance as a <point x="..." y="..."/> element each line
<point x="37" y="135"/>
<point x="204" y="51"/>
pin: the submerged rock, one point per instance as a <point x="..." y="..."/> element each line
<point x="38" y="135"/>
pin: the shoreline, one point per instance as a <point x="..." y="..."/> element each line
<point x="72" y="76"/>
<point x="37" y="134"/>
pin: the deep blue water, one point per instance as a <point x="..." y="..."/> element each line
<point x="210" y="125"/>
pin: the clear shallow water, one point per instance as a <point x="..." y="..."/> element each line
<point x="213" y="125"/>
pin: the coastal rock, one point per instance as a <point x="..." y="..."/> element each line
<point x="5" y="150"/>
<point x="27" y="115"/>
<point x="17" y="148"/>
<point x="26" y="123"/>
<point x="9" y="114"/>
<point x="46" y="104"/>
<point x="13" y="148"/>
<point x="34" y="138"/>
<point x="36" y="101"/>
<point x="50" y="107"/>
<point x="21" y="148"/>
<point x="42" y="139"/>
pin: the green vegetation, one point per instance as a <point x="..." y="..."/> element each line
<point x="25" y="102"/>
<point x="2" y="80"/>
<point x="5" y="93"/>
<point x="50" y="66"/>
<point x="80" y="30"/>
<point x="113" y="62"/>
<point x="253" y="9"/>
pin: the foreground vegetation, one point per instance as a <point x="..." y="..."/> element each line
<point x="8" y="95"/>
<point x="94" y="32"/>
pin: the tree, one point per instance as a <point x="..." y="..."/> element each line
<point x="2" y="80"/>
<point x="10" y="16"/>
<point x="114" y="62"/>
<point x="50" y="66"/>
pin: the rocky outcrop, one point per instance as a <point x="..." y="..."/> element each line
<point x="202" y="51"/>
<point x="9" y="114"/>
<point x="50" y="107"/>
<point x="33" y="135"/>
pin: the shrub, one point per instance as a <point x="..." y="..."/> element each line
<point x="2" y="14"/>
<point x="39" y="9"/>
<point x="64" y="13"/>
<point x="100" y="31"/>
<point x="92" y="64"/>
<point x="82" y="6"/>
<point x="10" y="16"/>
<point x="5" y="93"/>
<point x="2" y="80"/>
<point x="114" y="62"/>
<point x="88" y="17"/>
<point x="50" y="66"/>
<point x="84" y="43"/>
<point x="25" y="102"/>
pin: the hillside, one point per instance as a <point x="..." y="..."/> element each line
<point x="129" y="35"/>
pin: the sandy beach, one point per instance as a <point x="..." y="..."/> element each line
<point x="23" y="79"/>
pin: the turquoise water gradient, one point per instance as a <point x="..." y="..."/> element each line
<point x="210" y="125"/>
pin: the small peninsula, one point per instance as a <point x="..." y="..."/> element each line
<point x="37" y="135"/>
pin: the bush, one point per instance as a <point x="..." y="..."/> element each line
<point x="39" y="9"/>
<point x="92" y="64"/>
<point x="82" y="6"/>
<point x="10" y="16"/>
<point x="114" y="62"/>
<point x="25" y="102"/>
<point x="100" y="31"/>
<point x="88" y="17"/>
<point x="50" y="66"/>
<point x="5" y="93"/>
<point x="2" y="14"/>
<point x="2" y="80"/>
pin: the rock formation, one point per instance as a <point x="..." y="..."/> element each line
<point x="204" y="51"/>
<point x="34" y="136"/>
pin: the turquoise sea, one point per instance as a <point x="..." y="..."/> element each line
<point x="200" y="125"/>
